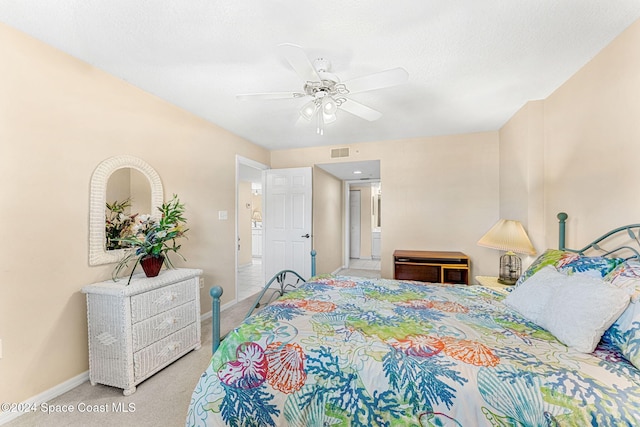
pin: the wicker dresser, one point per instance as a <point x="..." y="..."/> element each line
<point x="136" y="330"/>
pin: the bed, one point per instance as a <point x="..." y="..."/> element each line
<point x="339" y="351"/>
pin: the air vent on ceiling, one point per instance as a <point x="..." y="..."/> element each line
<point x="339" y="152"/>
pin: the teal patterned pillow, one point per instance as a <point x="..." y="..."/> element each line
<point x="571" y="263"/>
<point x="625" y="332"/>
<point x="592" y="266"/>
<point x="551" y="257"/>
<point x="627" y="277"/>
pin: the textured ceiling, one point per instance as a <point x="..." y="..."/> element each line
<point x="472" y="63"/>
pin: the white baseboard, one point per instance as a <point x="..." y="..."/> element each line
<point x="46" y="396"/>
<point x="72" y="383"/>
<point x="209" y="314"/>
<point x="336" y="271"/>
<point x="229" y="304"/>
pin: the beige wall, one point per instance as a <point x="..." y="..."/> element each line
<point x="60" y="119"/>
<point x="328" y="225"/>
<point x="577" y="150"/>
<point x="592" y="143"/>
<point x="522" y="173"/>
<point x="440" y="193"/>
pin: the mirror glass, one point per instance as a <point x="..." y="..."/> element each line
<point x="128" y="195"/>
<point x="117" y="180"/>
<point x="376" y="196"/>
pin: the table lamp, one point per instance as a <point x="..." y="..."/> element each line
<point x="508" y="235"/>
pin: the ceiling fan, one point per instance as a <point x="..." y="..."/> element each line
<point x="326" y="93"/>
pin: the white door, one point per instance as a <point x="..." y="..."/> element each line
<point x="287" y="221"/>
<point x="354" y="223"/>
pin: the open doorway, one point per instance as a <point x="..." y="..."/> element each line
<point x="249" y="219"/>
<point x="365" y="229"/>
<point x="362" y="236"/>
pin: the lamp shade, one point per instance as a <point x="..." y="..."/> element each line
<point x="508" y="235"/>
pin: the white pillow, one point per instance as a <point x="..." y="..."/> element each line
<point x="534" y="293"/>
<point x="576" y="309"/>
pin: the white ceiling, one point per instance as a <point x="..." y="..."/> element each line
<point x="472" y="63"/>
<point x="353" y="171"/>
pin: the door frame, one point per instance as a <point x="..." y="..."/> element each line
<point x="355" y="219"/>
<point x="346" y="217"/>
<point x="240" y="160"/>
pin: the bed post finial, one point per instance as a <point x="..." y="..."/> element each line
<point x="562" y="218"/>
<point x="313" y="263"/>
<point x="216" y="293"/>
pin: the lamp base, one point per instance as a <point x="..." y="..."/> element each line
<point x="507" y="281"/>
<point x="510" y="268"/>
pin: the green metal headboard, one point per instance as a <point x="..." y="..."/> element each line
<point x="632" y="231"/>
<point x="280" y="278"/>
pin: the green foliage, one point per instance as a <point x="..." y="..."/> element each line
<point x="155" y="237"/>
<point x="118" y="224"/>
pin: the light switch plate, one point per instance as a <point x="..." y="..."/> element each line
<point x="222" y="215"/>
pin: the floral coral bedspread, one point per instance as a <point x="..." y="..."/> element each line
<point x="344" y="351"/>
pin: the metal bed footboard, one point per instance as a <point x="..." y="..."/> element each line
<point x="280" y="277"/>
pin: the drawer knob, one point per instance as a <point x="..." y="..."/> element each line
<point x="170" y="348"/>
<point x="169" y="321"/>
<point x="167" y="297"/>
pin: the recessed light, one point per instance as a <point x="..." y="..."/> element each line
<point x="357" y="172"/>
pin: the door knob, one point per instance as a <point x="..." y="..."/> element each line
<point x="305" y="235"/>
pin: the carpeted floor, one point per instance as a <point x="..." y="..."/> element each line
<point x="160" y="401"/>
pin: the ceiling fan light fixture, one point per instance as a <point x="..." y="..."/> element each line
<point x="328" y="118"/>
<point x="329" y="105"/>
<point x="327" y="92"/>
<point x="308" y="110"/>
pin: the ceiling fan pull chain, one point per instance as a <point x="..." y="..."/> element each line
<point x="320" y="128"/>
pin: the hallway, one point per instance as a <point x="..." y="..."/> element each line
<point x="362" y="268"/>
<point x="250" y="280"/>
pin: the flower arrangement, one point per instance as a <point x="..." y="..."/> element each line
<point x="154" y="238"/>
<point x="118" y="224"/>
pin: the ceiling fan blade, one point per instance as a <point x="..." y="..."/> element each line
<point x="360" y="110"/>
<point x="269" y="95"/>
<point x="299" y="61"/>
<point x="379" y="80"/>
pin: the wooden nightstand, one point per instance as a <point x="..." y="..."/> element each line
<point x="492" y="282"/>
<point x="430" y="266"/>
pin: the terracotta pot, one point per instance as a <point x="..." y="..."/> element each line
<point x="151" y="264"/>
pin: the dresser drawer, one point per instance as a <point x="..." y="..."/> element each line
<point x="157" y="327"/>
<point x="148" y="304"/>
<point x="416" y="271"/>
<point x="164" y="351"/>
